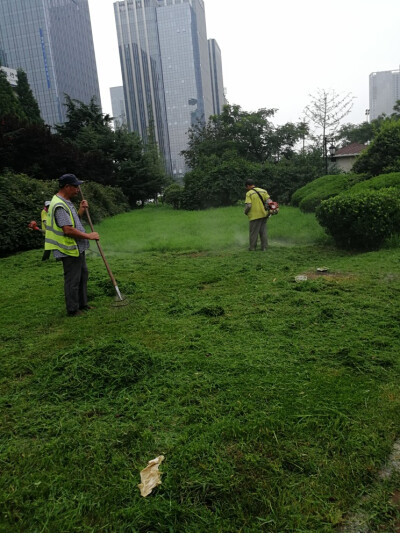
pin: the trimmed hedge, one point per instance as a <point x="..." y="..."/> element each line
<point x="309" y="197"/>
<point x="22" y="199"/>
<point x="377" y="183"/>
<point x="361" y="221"/>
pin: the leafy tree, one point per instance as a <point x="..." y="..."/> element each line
<point x="81" y="116"/>
<point x="218" y="181"/>
<point x="251" y="136"/>
<point x="352" y="133"/>
<point x="132" y="170"/>
<point x="114" y="158"/>
<point x="154" y="163"/>
<point x="27" y="100"/>
<point x="33" y="150"/>
<point x="236" y="145"/>
<point x="283" y="178"/>
<point x="9" y="103"/>
<point x="396" y="110"/>
<point x="383" y="154"/>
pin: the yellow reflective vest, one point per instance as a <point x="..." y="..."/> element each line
<point x="43" y="218"/>
<point x="55" y="238"/>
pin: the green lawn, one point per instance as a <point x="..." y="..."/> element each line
<point x="274" y="402"/>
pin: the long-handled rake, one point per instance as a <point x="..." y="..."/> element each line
<point x="119" y="298"/>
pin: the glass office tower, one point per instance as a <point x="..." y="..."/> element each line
<point x="118" y="106"/>
<point x="217" y="84"/>
<point x="384" y="91"/>
<point x="51" y="40"/>
<point x="140" y="57"/>
<point x="165" y="70"/>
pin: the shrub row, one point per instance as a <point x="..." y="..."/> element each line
<point x="383" y="181"/>
<point x="22" y="200"/>
<point x="363" y="220"/>
<point x="309" y="197"/>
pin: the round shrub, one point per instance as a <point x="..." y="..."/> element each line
<point x="311" y="195"/>
<point x="361" y="221"/>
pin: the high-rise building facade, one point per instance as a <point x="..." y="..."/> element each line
<point x="217" y="84"/>
<point x="51" y="40"/>
<point x="118" y="106"/>
<point x="140" y="58"/>
<point x="165" y="71"/>
<point x="384" y="91"/>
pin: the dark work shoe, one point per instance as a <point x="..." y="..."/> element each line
<point x="86" y="308"/>
<point x="75" y="313"/>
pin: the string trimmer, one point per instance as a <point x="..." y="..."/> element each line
<point x="33" y="226"/>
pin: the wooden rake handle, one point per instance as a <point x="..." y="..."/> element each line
<point x="101" y="250"/>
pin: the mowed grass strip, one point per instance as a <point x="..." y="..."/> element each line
<point x="275" y="402"/>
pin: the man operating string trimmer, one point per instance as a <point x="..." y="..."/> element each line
<point x="66" y="236"/>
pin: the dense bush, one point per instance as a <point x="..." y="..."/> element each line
<point x="378" y="182"/>
<point x="173" y="195"/>
<point x="286" y="176"/>
<point x="104" y="201"/>
<point x="22" y="200"/>
<point x="218" y="182"/>
<point x="383" y="155"/>
<point x="311" y="195"/>
<point x="361" y="221"/>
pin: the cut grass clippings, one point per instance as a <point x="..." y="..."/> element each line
<point x="276" y="403"/>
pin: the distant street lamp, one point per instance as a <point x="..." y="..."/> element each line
<point x="332" y="151"/>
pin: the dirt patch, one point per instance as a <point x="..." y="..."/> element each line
<point x="393" y="464"/>
<point x="358" y="523"/>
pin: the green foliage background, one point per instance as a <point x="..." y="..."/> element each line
<point x="22" y="200"/>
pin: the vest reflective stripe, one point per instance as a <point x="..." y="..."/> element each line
<point x="63" y="246"/>
<point x="52" y="230"/>
<point x="55" y="238"/>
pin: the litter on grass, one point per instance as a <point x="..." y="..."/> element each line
<point x="150" y="476"/>
<point x="301" y="278"/>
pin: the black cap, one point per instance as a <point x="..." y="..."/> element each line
<point x="69" y="179"/>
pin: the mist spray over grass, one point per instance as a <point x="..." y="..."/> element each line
<point x="164" y="229"/>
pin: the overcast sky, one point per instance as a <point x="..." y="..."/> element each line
<point x="275" y="53"/>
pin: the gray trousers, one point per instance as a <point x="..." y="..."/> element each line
<point x="75" y="282"/>
<point x="258" y="227"/>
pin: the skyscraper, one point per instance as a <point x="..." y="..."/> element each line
<point x="384" y="91"/>
<point x="165" y="71"/>
<point x="51" y="40"/>
<point x="118" y="106"/>
<point x="217" y="84"/>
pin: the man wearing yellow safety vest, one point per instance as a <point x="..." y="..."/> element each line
<point x="66" y="236"/>
<point x="255" y="208"/>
